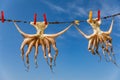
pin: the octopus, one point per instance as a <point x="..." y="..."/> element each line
<point x="35" y="40"/>
<point x="99" y="39"/>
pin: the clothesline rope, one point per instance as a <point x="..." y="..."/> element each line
<point x="56" y="22"/>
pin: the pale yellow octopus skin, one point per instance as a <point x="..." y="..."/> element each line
<point x="35" y="40"/>
<point x="99" y="38"/>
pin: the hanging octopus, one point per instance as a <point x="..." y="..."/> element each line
<point x="35" y="40"/>
<point x="99" y="38"/>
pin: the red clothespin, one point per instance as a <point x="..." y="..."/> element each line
<point x="2" y="16"/>
<point x="45" y="19"/>
<point x="98" y="15"/>
<point x="35" y="18"/>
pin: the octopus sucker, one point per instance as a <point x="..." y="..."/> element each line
<point x="40" y="39"/>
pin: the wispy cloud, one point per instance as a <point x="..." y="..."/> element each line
<point x="76" y="10"/>
<point x="80" y="12"/>
<point x="71" y="8"/>
<point x="108" y="9"/>
<point x="74" y="34"/>
<point x="116" y="34"/>
<point x="54" y="7"/>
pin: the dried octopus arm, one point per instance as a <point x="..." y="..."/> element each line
<point x="43" y="49"/>
<point x="48" y="45"/>
<point x="59" y="33"/>
<point x="24" y="34"/>
<point x="86" y="36"/>
<point x="53" y="43"/>
<point x="25" y="41"/>
<point x="111" y="26"/>
<point x="36" y="52"/>
<point x="28" y="52"/>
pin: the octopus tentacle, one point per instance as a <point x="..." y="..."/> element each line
<point x="104" y="52"/>
<point x="107" y="50"/>
<point x="55" y="48"/>
<point x="24" y="34"/>
<point x="108" y="45"/>
<point x="103" y="45"/>
<point x="26" y="41"/>
<point x="111" y="48"/>
<point x="44" y="50"/>
<point x="113" y="54"/>
<point x="36" y="52"/>
<point x="49" y="51"/>
<point x="28" y="52"/>
<point x="96" y="47"/>
<point x="91" y="46"/>
<point x="22" y="49"/>
<point x="56" y="54"/>
<point x="108" y="40"/>
<point x="86" y="36"/>
<point x="112" y="57"/>
<point x="59" y="33"/>
<point x="111" y="26"/>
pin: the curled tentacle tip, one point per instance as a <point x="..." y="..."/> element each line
<point x="114" y="57"/>
<point x="35" y="61"/>
<point x="76" y="22"/>
<point x="107" y="60"/>
<point x="36" y="66"/>
<point x="22" y="57"/>
<point x="114" y="62"/>
<point x="54" y="64"/>
<point x="51" y="68"/>
<point x="27" y="69"/>
<point x="47" y="61"/>
<point x="25" y="65"/>
<point x="100" y="59"/>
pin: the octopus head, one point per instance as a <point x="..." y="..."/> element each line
<point x="95" y="23"/>
<point x="41" y="26"/>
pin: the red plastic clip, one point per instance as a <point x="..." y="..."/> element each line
<point x="98" y="15"/>
<point x="45" y="19"/>
<point x="35" y="18"/>
<point x="2" y="17"/>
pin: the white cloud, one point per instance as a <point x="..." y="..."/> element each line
<point x="108" y="9"/>
<point x="116" y="34"/>
<point x="76" y="10"/>
<point x="74" y="34"/>
<point x="71" y="8"/>
<point x="54" y="7"/>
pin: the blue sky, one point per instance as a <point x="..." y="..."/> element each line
<point x="74" y="62"/>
